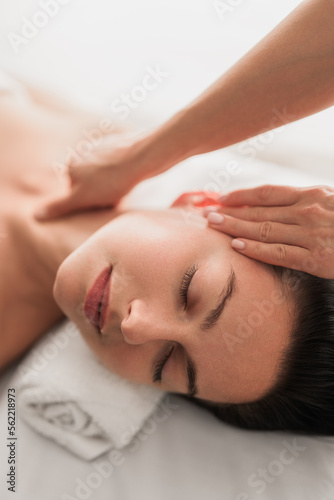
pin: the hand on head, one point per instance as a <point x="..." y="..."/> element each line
<point x="280" y="225"/>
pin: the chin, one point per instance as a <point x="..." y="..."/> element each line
<point x="69" y="290"/>
<point x="61" y="289"/>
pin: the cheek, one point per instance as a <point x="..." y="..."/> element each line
<point x="71" y="285"/>
<point x="64" y="287"/>
<point x="129" y="362"/>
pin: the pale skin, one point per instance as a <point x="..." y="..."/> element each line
<point x="33" y="136"/>
<point x="46" y="270"/>
<point x="287" y="76"/>
<point x="237" y="359"/>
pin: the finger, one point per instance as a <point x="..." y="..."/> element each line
<point x="284" y="215"/>
<point x="57" y="208"/>
<point x="277" y="254"/>
<point x="266" y="195"/>
<point x="266" y="232"/>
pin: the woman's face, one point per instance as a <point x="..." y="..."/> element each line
<point x="234" y="350"/>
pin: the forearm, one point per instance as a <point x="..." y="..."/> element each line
<point x="285" y="77"/>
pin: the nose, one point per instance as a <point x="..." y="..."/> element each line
<point x="145" y="322"/>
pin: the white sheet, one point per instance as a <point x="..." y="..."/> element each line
<point x="92" y="52"/>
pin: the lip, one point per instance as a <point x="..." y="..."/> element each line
<point x="98" y="294"/>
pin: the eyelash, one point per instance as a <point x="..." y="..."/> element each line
<point x="183" y="292"/>
<point x="185" y="284"/>
<point x="160" y="365"/>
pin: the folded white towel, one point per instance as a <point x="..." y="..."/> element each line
<point x="66" y="394"/>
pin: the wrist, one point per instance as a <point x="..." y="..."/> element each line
<point x="161" y="148"/>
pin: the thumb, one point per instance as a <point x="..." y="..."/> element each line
<point x="55" y="208"/>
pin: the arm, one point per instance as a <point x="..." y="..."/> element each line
<point x="285" y="77"/>
<point x="288" y="75"/>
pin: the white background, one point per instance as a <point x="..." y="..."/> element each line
<point x="93" y="51"/>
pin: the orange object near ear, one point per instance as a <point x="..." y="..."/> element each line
<point x="197" y="199"/>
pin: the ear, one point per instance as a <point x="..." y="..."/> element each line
<point x="197" y="199"/>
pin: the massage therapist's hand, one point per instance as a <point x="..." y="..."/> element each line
<point x="100" y="179"/>
<point x="285" y="226"/>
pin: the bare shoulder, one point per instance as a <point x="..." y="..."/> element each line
<point x="26" y="310"/>
<point x="31" y="138"/>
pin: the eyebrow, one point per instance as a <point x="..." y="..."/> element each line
<point x="209" y="321"/>
<point x="226" y="294"/>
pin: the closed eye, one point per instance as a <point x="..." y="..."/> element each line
<point x="160" y="365"/>
<point x="183" y="293"/>
<point x="185" y="283"/>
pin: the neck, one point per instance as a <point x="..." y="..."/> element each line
<point x="45" y="245"/>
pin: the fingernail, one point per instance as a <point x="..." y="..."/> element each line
<point x="208" y="209"/>
<point x="215" y="218"/>
<point x="238" y="244"/>
<point x="222" y="198"/>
